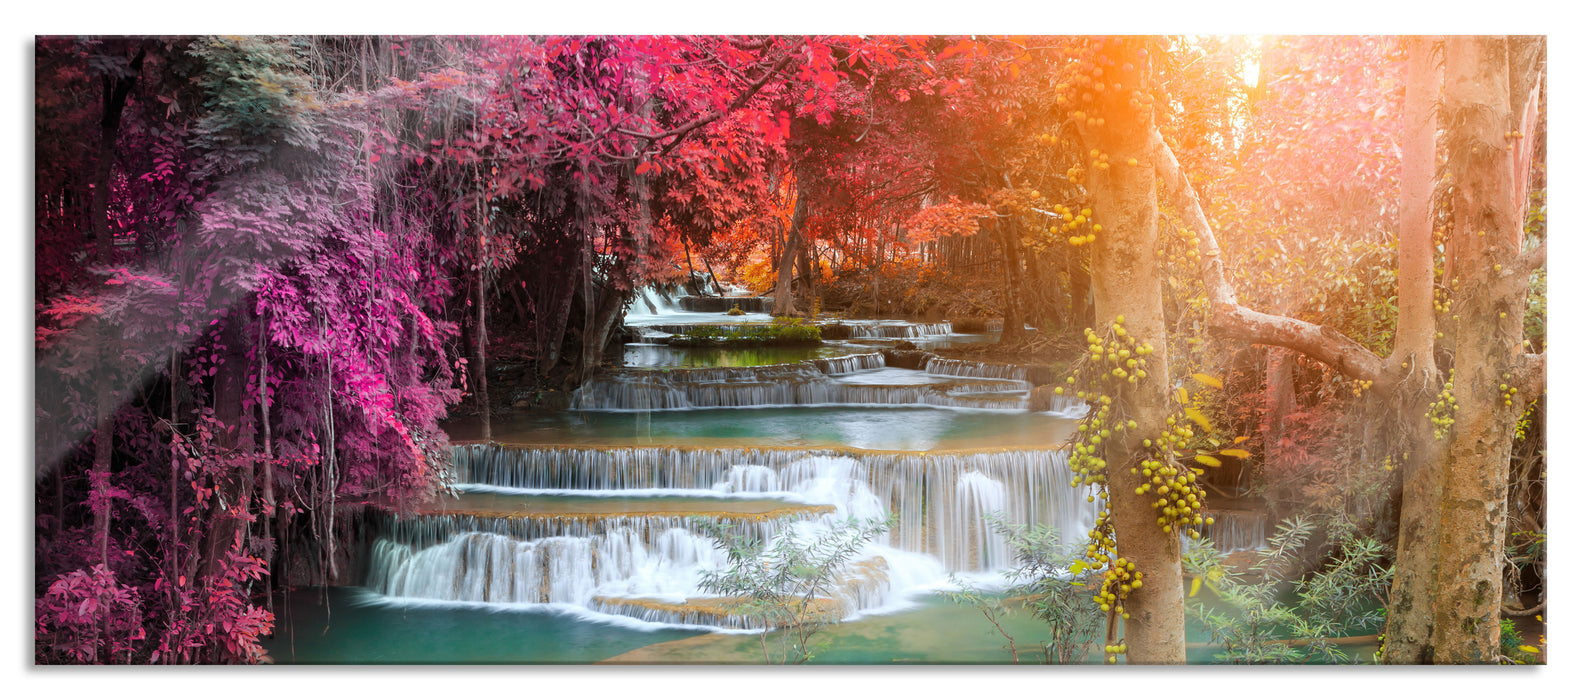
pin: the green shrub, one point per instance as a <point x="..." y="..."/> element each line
<point x="781" y="331"/>
<point x="1256" y="628"/>
<point x="782" y="584"/>
<point x="1048" y="591"/>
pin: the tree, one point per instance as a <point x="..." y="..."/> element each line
<point x="1445" y="607"/>
<point x="1126" y="293"/>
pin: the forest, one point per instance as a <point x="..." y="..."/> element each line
<point x="328" y="316"/>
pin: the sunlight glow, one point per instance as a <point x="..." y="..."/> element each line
<point x="1249" y="65"/>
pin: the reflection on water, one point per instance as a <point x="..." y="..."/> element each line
<point x="352" y="630"/>
<point x="658" y="355"/>
<point x="877" y="428"/>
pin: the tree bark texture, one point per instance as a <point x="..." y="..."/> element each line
<point x="1490" y="301"/>
<point x="1409" y="625"/>
<point x="1126" y="283"/>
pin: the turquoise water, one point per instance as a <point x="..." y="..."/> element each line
<point x="349" y="630"/>
<point x="876" y="428"/>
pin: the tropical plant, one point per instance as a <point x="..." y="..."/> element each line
<point x="1252" y="617"/>
<point x="1047" y="582"/>
<point x="789" y="585"/>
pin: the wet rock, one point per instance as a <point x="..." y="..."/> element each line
<point x="908" y="359"/>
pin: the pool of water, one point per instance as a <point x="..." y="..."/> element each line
<point x="875" y="428"/>
<point x="354" y="626"/>
<point x="657" y="355"/>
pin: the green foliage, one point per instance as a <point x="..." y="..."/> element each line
<point x="781" y="331"/>
<point x="1254" y="624"/>
<point x="1512" y="650"/>
<point x="1536" y="322"/>
<point x="256" y="92"/>
<point x="787" y="585"/>
<point x="1047" y="589"/>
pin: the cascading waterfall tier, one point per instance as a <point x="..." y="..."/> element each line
<point x="807" y="383"/>
<point x="970" y="368"/>
<point x="899" y="330"/>
<point x="648" y="566"/>
<point x="550" y="559"/>
<point x="752" y="305"/>
<point x="1237" y="530"/>
<point x="936" y="514"/>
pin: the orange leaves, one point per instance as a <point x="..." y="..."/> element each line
<point x="965" y="45"/>
<point x="953" y="218"/>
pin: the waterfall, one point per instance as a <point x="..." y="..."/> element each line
<point x="970" y="368"/>
<point x="807" y="383"/>
<point x="978" y="496"/>
<point x="899" y="330"/>
<point x="920" y="489"/>
<point x="648" y="565"/>
<point x="1237" y="530"/>
<point x="850" y="363"/>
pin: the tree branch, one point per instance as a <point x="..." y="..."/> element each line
<point x="1528" y="262"/>
<point x="1228" y="316"/>
<point x="680" y="132"/>
<point x="1532" y="373"/>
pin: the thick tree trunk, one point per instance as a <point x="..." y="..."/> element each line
<point x="1126" y="283"/>
<point x="549" y="352"/>
<point x="1409" y="627"/>
<point x="1490" y="299"/>
<point x="611" y="302"/>
<point x="115" y="92"/>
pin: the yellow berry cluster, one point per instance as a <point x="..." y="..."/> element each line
<point x="1101" y="161"/>
<point x="1360" y="385"/>
<point x="1121" y="579"/>
<point x="1071" y="220"/>
<point x="1113" y="650"/>
<point x="1507" y="392"/>
<point x="1115" y="359"/>
<point x="1442" y="413"/>
<point x="1180" y="502"/>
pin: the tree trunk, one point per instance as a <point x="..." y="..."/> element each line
<point x="1012" y="330"/>
<point x="115" y="92"/>
<point x="785" y="303"/>
<point x="549" y="353"/>
<point x="1126" y="283"/>
<point x="481" y="355"/>
<point x="1409" y="625"/>
<point x="715" y="279"/>
<point x="611" y="302"/>
<point x="1081" y="314"/>
<point x="1490" y="299"/>
<point x="807" y="271"/>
